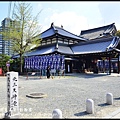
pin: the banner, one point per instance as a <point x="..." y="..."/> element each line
<point x="55" y="61"/>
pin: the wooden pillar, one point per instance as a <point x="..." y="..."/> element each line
<point x="109" y="65"/>
<point x="118" y="63"/>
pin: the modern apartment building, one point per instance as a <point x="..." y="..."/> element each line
<point x="5" y="45"/>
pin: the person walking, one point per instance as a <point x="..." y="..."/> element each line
<point x="48" y="72"/>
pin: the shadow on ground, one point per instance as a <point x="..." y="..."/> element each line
<point x="117" y="98"/>
<point x="103" y="104"/>
<point x="86" y="75"/>
<point x="81" y="113"/>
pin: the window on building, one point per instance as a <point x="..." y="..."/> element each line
<point x="48" y="41"/>
<point x="65" y="41"/>
<point x="60" y="40"/>
<point x="54" y="40"/>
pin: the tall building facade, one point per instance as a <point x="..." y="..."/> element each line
<point x="5" y="44"/>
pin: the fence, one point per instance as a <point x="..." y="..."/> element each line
<point x="39" y="75"/>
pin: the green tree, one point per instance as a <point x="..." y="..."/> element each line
<point x="3" y="60"/>
<point x="23" y="30"/>
<point x="118" y="33"/>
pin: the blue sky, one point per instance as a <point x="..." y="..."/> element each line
<point x="74" y="16"/>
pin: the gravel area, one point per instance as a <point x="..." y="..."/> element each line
<point x="69" y="94"/>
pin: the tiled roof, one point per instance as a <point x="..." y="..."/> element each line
<point x="97" y="32"/>
<point x="94" y="46"/>
<point x="102" y="45"/>
<point x="65" y="33"/>
<point x="49" y="32"/>
<point x="64" y="49"/>
<point x="41" y="51"/>
<point x="50" y="49"/>
<point x="53" y="29"/>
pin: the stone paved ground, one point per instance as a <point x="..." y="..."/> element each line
<point x="69" y="94"/>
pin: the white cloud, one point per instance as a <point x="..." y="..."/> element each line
<point x="39" y="5"/>
<point x="70" y="21"/>
<point x="73" y="20"/>
<point x="117" y="26"/>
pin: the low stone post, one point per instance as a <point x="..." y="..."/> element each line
<point x="89" y="106"/>
<point x="109" y="98"/>
<point x="57" y="113"/>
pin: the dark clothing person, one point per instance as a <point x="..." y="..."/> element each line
<point x="48" y="72"/>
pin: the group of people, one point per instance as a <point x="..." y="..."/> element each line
<point x="48" y="73"/>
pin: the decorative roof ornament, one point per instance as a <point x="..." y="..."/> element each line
<point x="113" y="44"/>
<point x="52" y="24"/>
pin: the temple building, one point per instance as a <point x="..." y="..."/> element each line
<point x="99" y="32"/>
<point x="94" y="50"/>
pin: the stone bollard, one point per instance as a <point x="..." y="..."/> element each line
<point x="89" y="106"/>
<point x="109" y="98"/>
<point x="57" y="113"/>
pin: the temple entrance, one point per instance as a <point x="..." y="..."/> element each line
<point x="68" y="66"/>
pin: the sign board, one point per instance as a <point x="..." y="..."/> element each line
<point x="7" y="64"/>
<point x="12" y="93"/>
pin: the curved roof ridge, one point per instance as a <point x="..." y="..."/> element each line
<point x="110" y="27"/>
<point x="67" y="31"/>
<point x="114" y="43"/>
<point x="52" y="25"/>
<point x="61" y="31"/>
<point x="57" y="27"/>
<point x="98" y="27"/>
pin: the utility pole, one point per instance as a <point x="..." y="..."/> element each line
<point x="9" y="9"/>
